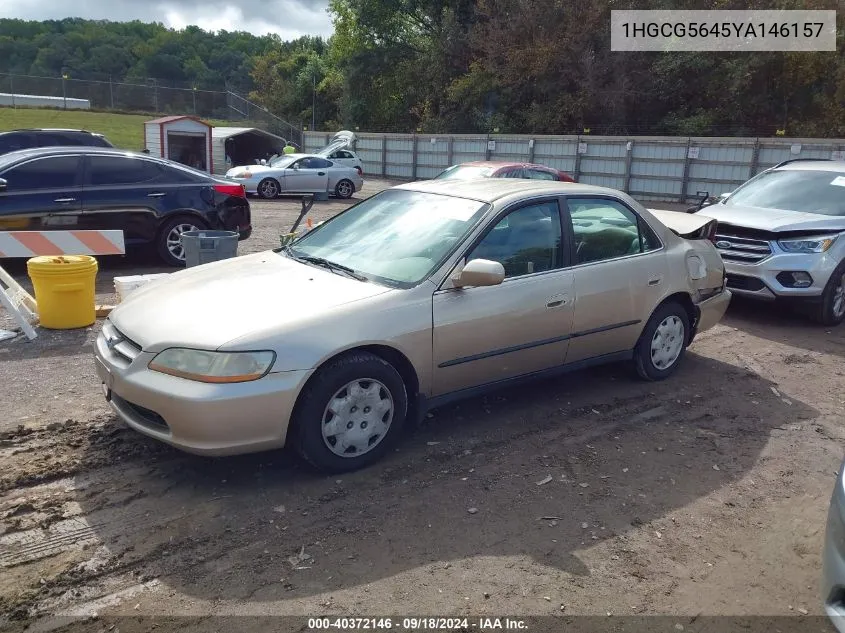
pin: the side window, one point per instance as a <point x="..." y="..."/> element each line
<point x="525" y="241"/>
<point x="343" y="154"/>
<point x="13" y="142"/>
<point x="320" y="163"/>
<point x="516" y="172"/>
<point x="55" y="172"/>
<point x="113" y="170"/>
<point x="605" y="229"/>
<point x="538" y="174"/>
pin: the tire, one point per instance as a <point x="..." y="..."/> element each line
<point x="831" y="309"/>
<point x="268" y="188"/>
<point x="652" y="364"/>
<point x="375" y="382"/>
<point x="168" y="252"/>
<point x="344" y="189"/>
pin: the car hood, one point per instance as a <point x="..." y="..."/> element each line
<point x="774" y="220"/>
<point x="207" y="306"/>
<point x="684" y="224"/>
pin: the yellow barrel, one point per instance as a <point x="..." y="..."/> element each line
<point x="64" y="290"/>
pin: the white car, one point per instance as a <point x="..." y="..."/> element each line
<point x="340" y="151"/>
<point x="298" y="173"/>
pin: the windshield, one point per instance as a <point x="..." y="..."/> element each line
<point x="465" y="172"/>
<point x="397" y="237"/>
<point x="803" y="190"/>
<point x="283" y="161"/>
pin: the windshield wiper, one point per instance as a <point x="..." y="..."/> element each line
<point x="325" y="263"/>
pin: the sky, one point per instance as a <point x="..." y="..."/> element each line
<point x="288" y="18"/>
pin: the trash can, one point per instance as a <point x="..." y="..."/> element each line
<point x="64" y="290"/>
<point x="202" y="247"/>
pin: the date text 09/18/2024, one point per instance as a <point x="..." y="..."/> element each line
<point x="417" y="624"/>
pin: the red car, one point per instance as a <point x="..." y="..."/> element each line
<point x="498" y="169"/>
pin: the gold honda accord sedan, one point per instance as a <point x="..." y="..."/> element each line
<point x="424" y="293"/>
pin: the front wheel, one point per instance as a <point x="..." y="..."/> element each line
<point x="831" y="309"/>
<point x="344" y="189"/>
<point x="663" y="342"/>
<point x="351" y="413"/>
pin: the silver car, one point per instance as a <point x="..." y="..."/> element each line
<point x="781" y="236"/>
<point x="833" y="583"/>
<point x="298" y="173"/>
<point x="422" y="294"/>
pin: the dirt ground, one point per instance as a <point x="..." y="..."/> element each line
<point x="705" y="494"/>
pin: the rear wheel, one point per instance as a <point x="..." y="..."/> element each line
<point x="169" y="245"/>
<point x="831" y="309"/>
<point x="269" y="188"/>
<point x="351" y="413"/>
<point x="663" y="342"/>
<point x="344" y="189"/>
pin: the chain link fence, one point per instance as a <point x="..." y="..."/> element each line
<point x="154" y="97"/>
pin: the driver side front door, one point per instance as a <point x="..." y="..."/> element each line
<point x="486" y="334"/>
<point x="307" y="175"/>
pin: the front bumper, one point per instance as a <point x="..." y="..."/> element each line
<point x="759" y="280"/>
<point x="712" y="310"/>
<point x="833" y="558"/>
<point x="201" y="418"/>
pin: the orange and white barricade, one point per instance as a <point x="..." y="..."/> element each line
<point x="20" y="304"/>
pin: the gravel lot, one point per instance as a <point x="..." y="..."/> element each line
<point x="703" y="494"/>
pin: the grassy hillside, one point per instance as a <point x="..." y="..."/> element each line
<point x="123" y="130"/>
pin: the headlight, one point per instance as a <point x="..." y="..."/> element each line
<point x="216" y="367"/>
<point x="808" y="244"/>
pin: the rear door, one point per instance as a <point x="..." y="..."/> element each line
<point x="42" y="194"/>
<point x="124" y="193"/>
<point x="619" y="266"/>
<point x="309" y="174"/>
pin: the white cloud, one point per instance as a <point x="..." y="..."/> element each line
<point x="287" y="18"/>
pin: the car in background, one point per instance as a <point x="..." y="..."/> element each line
<point x="152" y="200"/>
<point x="341" y="151"/>
<point x="422" y="294"/>
<point x="833" y="556"/>
<point x="49" y="137"/>
<point x="297" y="173"/>
<point x="498" y="169"/>
<point x="781" y="236"/>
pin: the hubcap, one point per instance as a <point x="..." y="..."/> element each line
<point x="344" y="189"/>
<point x="839" y="298"/>
<point x="667" y="342"/>
<point x="268" y="189"/>
<point x="357" y="417"/>
<point x="174" y="240"/>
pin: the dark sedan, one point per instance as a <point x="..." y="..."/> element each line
<point x="152" y="200"/>
<point x="501" y="169"/>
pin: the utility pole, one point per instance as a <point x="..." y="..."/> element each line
<point x="12" y="90"/>
<point x="64" y="89"/>
<point x="195" y="100"/>
<point x="111" y="93"/>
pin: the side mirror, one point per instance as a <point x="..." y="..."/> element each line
<point x="480" y="272"/>
<point x="3" y="184"/>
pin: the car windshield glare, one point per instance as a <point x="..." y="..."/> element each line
<point x="801" y="190"/>
<point x="398" y="237"/>
<point x="282" y="161"/>
<point x="466" y="172"/>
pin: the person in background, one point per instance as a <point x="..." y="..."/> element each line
<point x="289" y="149"/>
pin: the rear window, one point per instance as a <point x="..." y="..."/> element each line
<point x="800" y="190"/>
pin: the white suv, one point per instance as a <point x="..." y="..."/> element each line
<point x="782" y="236"/>
<point x="340" y="150"/>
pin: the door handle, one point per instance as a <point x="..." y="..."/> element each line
<point x="160" y="194"/>
<point x="64" y="200"/>
<point x="556" y="301"/>
<point x="321" y="173"/>
<point x="655" y="281"/>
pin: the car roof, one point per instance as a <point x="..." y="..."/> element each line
<point x="492" y="189"/>
<point x="50" y="129"/>
<point x="803" y="164"/>
<point x="39" y="152"/>
<point x="503" y="163"/>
